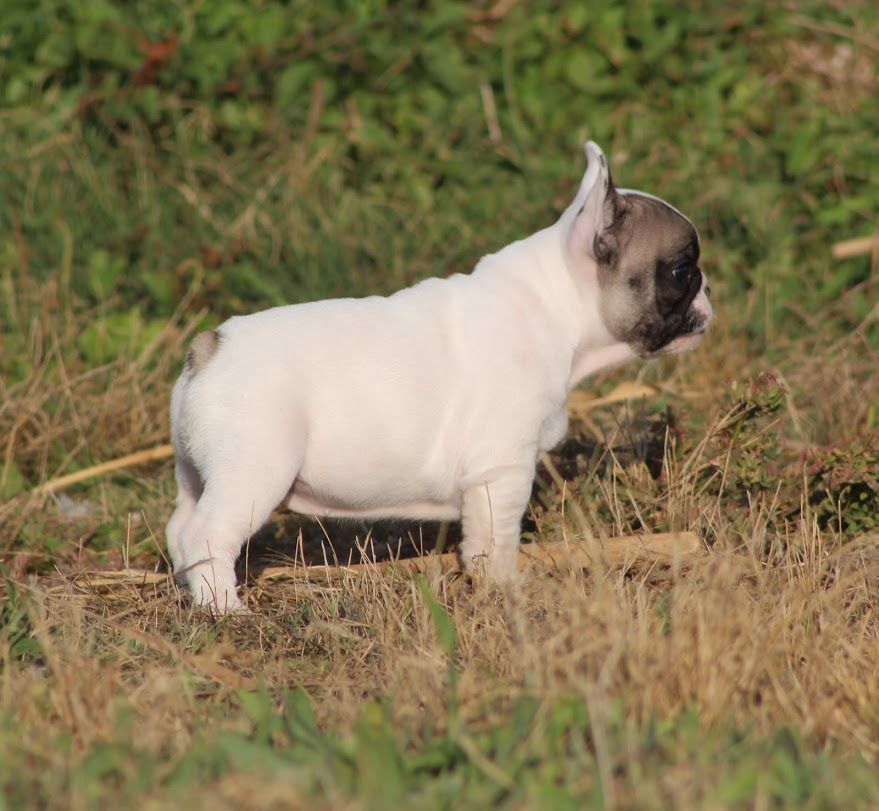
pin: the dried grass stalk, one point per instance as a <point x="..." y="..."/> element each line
<point x="855" y="247"/>
<point x="582" y="553"/>
<point x="155" y="454"/>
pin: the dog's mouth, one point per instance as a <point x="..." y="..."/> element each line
<point x="695" y="325"/>
<point x="674" y="338"/>
<point x="699" y="314"/>
<point x="659" y="333"/>
<point x="684" y="342"/>
<point x="668" y="336"/>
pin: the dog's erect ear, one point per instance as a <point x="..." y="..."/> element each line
<point x="596" y="208"/>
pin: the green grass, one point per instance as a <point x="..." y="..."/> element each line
<point x="163" y="166"/>
<point x="540" y="757"/>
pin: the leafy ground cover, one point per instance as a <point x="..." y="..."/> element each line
<point x="162" y="167"/>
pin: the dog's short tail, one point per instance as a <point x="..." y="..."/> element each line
<point x="201" y="350"/>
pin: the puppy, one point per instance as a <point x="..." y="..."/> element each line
<point x="434" y="402"/>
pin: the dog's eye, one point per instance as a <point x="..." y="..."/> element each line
<point x="682" y="275"/>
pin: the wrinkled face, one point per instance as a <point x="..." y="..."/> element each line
<point x="653" y="293"/>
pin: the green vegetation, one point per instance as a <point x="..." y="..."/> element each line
<point x="539" y="758"/>
<point x="163" y="166"/>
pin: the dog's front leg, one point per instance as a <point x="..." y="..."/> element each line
<point x="491" y="519"/>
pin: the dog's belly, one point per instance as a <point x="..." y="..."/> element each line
<point x="302" y="499"/>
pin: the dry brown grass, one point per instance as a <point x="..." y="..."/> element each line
<point x="742" y="642"/>
<point x="775" y="628"/>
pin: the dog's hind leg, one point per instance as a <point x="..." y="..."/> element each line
<point x="211" y="539"/>
<point x="189" y="481"/>
<point x="240" y="492"/>
<point x="189" y="490"/>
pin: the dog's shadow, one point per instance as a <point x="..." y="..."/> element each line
<point x="291" y="539"/>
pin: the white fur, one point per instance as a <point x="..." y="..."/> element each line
<point x="432" y="403"/>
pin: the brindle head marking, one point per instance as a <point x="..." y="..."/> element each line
<point x="647" y="255"/>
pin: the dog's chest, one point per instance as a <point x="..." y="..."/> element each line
<point x="553" y="428"/>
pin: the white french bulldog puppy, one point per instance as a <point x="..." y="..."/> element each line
<point x="432" y="403"/>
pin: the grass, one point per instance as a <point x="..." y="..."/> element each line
<point x="149" y="190"/>
<point x="735" y="681"/>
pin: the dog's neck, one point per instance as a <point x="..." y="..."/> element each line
<point x="596" y="348"/>
<point x="568" y="296"/>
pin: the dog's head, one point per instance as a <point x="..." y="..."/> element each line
<point x="652" y="293"/>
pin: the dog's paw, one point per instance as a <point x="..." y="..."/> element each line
<point x="219" y="601"/>
<point x="499" y="565"/>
